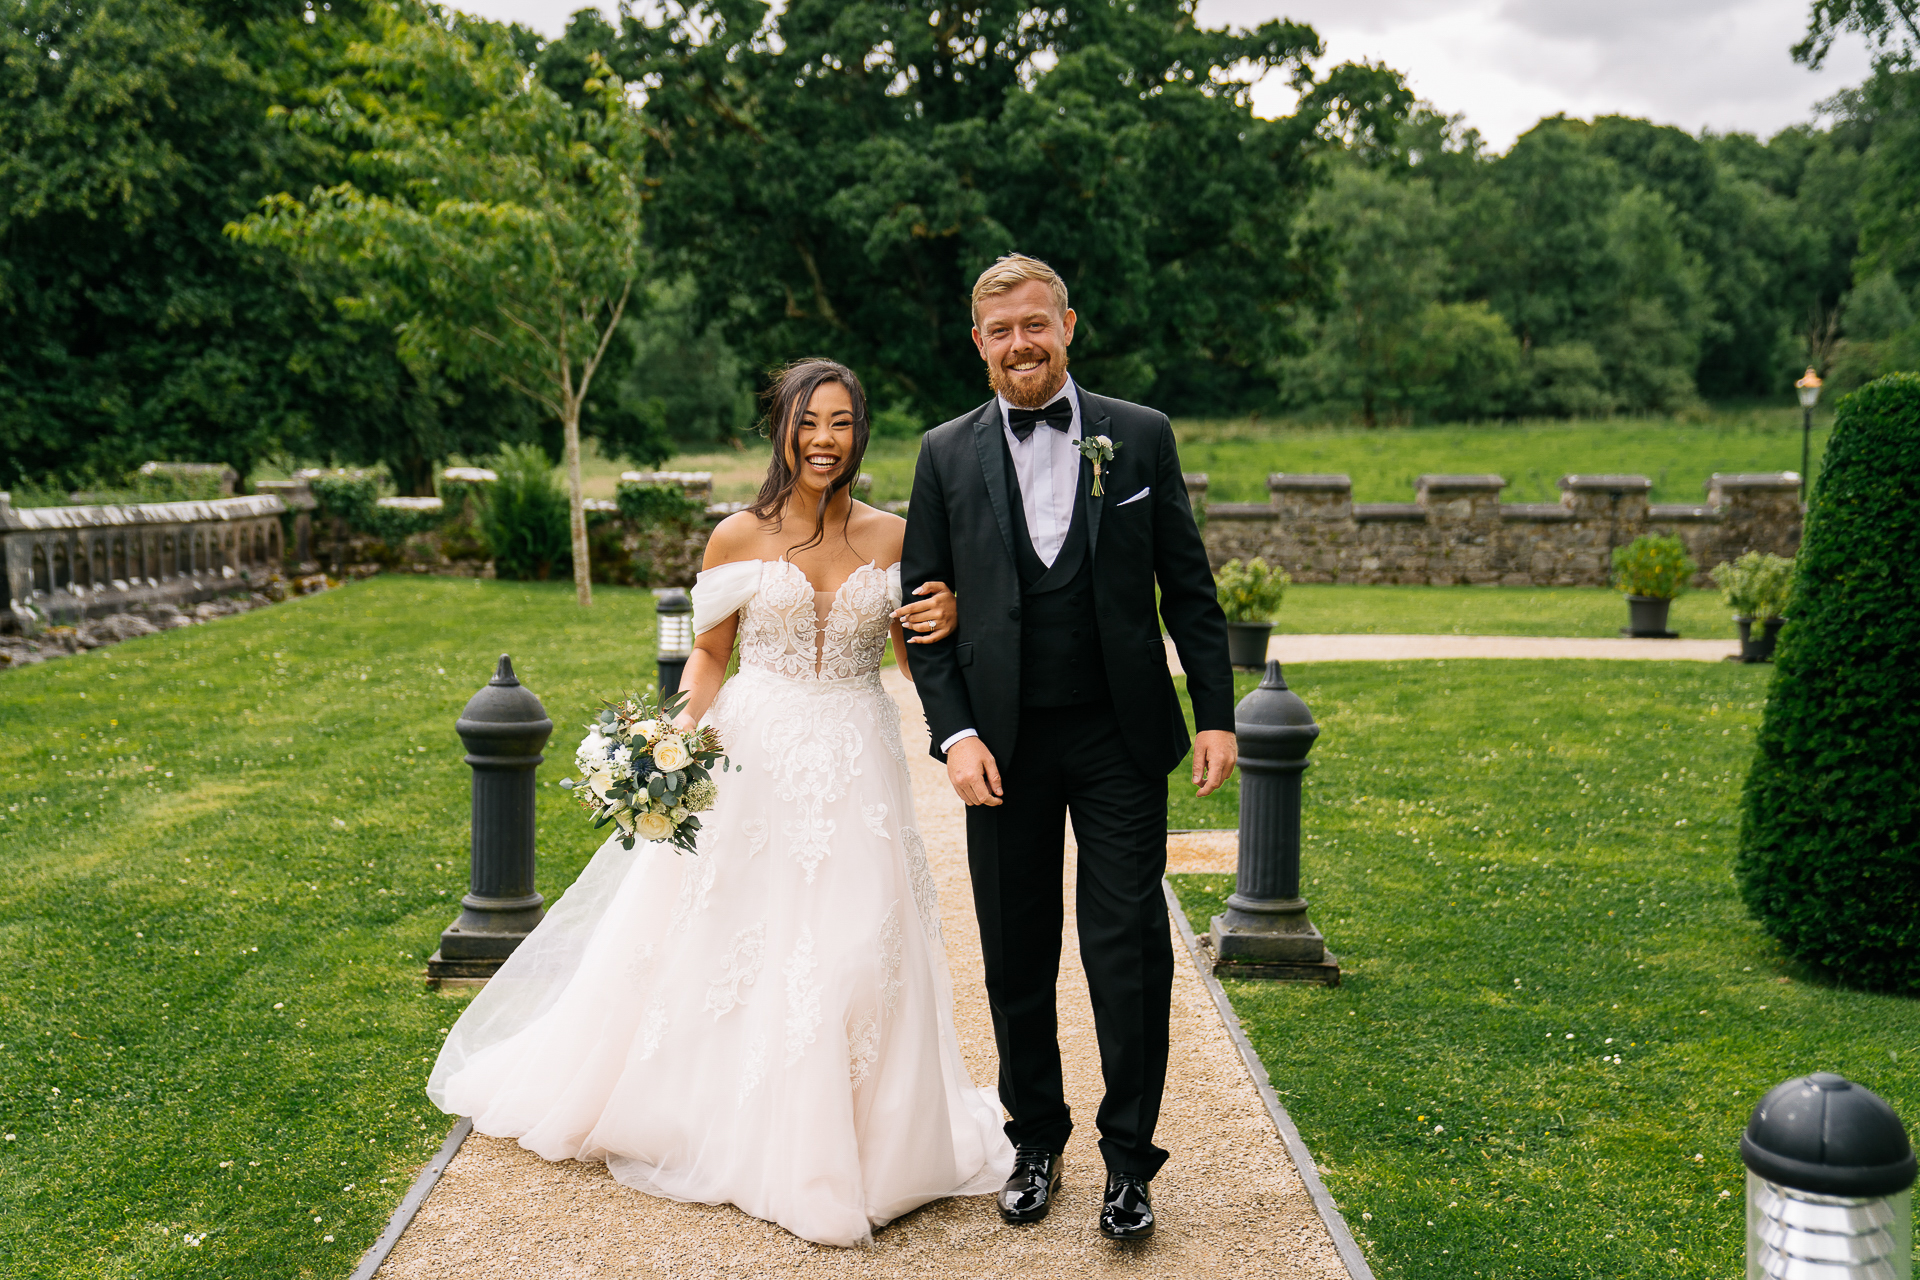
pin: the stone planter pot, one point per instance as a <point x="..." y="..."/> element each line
<point x="1647" y="618"/>
<point x="1247" y="644"/>
<point x="1758" y="649"/>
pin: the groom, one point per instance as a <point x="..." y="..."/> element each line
<point x="1052" y="698"/>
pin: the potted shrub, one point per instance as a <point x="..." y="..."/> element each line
<point x="1756" y="587"/>
<point x="1250" y="593"/>
<point x="1652" y="571"/>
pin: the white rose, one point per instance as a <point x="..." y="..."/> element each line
<point x="654" y="826"/>
<point x="671" y="753"/>
<point x="1105" y="441"/>
<point x="681" y="814"/>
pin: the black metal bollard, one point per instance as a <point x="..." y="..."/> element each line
<point x="673" y="643"/>
<point x="1265" y="932"/>
<point x="1829" y="1184"/>
<point x="504" y="727"/>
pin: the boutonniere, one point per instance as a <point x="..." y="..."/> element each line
<point x="1098" y="450"/>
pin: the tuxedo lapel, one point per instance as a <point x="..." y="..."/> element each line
<point x="1091" y="426"/>
<point x="987" y="432"/>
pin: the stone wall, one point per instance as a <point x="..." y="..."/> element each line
<point x="64" y="564"/>
<point x="1457" y="531"/>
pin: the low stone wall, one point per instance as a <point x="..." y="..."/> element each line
<point x="1457" y="531"/>
<point x="65" y="564"/>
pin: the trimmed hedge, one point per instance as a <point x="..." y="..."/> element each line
<point x="1829" y="857"/>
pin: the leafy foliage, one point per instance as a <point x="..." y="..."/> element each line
<point x="1756" y="585"/>
<point x="509" y="243"/>
<point x="523" y="515"/>
<point x="1830" y="836"/>
<point x="837" y="174"/>
<point x="1654" y="565"/>
<point x="356" y="500"/>
<point x="1250" y="591"/>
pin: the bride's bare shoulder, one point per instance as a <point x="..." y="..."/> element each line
<point x="883" y="529"/>
<point x="737" y="537"/>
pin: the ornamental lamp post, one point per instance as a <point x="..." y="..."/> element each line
<point x="1809" y="389"/>
<point x="673" y="643"/>
<point x="1265" y="932"/>
<point x="503" y="728"/>
<point x="1829" y="1184"/>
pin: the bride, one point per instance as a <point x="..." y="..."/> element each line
<point x="769" y="1022"/>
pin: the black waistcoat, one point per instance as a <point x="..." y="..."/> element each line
<point x="1061" y="664"/>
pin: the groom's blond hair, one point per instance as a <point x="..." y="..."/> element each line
<point x="1012" y="270"/>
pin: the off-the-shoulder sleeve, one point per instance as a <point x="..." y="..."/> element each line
<point x="894" y="593"/>
<point x="719" y="592"/>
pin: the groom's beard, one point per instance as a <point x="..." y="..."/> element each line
<point x="1030" y="393"/>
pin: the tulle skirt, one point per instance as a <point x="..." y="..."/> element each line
<point x="767" y="1023"/>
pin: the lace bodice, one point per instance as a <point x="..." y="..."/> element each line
<point x="791" y="630"/>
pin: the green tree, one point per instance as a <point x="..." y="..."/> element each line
<point x="509" y="244"/>
<point x="1390" y="346"/>
<point x="132" y="129"/>
<point x="836" y="175"/>
<point x="1891" y="26"/>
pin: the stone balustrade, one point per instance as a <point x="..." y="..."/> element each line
<point x="65" y="563"/>
<point x="1457" y="531"/>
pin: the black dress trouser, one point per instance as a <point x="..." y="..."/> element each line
<point x="1074" y="761"/>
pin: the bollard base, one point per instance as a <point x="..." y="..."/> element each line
<point x="461" y="972"/>
<point x="1325" y="971"/>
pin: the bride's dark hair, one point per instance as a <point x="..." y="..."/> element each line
<point x="786" y="400"/>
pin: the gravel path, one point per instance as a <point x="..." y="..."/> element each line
<point x="1230" y="1202"/>
<point x="1354" y="648"/>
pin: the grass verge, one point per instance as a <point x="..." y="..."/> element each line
<point x="225" y="853"/>
<point x="1678" y="455"/>
<point x="1555" y="1015"/>
<point x="1325" y="609"/>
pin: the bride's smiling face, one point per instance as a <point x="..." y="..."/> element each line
<point x="822" y="440"/>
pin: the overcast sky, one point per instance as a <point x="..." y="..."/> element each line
<point x="1719" y="64"/>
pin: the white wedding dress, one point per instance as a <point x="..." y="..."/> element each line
<point x="769" y="1022"/>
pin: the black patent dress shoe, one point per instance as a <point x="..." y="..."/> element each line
<point x="1028" y="1194"/>
<point x="1127" y="1213"/>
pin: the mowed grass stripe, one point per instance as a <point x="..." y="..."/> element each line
<point x="305" y="852"/>
<point x="1525" y="870"/>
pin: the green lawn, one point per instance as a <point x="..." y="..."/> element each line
<point x="1677" y="455"/>
<point x="1487" y="611"/>
<point x="225" y="853"/>
<point x="1524" y="869"/>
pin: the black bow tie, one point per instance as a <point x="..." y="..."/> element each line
<point x="1058" y="415"/>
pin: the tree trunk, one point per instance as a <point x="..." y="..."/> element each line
<point x="576" y="506"/>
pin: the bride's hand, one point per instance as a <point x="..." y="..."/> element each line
<point x="932" y="618"/>
<point x="685" y="723"/>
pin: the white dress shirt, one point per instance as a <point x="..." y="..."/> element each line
<point x="1047" y="466"/>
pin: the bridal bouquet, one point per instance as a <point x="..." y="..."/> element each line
<point x="646" y="777"/>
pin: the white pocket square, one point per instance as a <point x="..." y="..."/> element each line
<point x="1136" y="497"/>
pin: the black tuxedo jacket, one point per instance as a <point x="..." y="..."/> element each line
<point x="960" y="530"/>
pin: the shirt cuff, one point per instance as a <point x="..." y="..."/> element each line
<point x="964" y="733"/>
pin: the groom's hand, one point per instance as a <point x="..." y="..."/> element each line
<point x="974" y="775"/>
<point x="1215" y="751"/>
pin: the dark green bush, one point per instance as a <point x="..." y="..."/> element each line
<point x="657" y="504"/>
<point x="356" y="500"/>
<point x="524" y="516"/>
<point x="1829" y="857"/>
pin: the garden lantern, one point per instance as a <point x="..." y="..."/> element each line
<point x="1809" y="389"/>
<point x="503" y="728"/>
<point x="1265" y="932"/>
<point x="1829" y="1184"/>
<point x="674" y="638"/>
